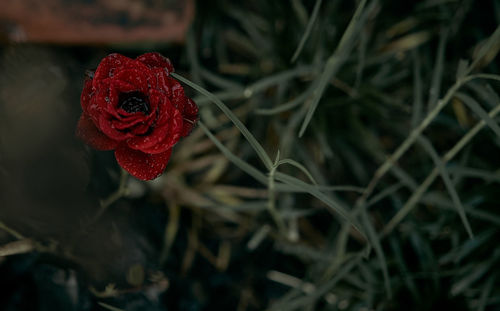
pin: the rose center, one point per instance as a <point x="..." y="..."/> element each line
<point x="133" y="102"/>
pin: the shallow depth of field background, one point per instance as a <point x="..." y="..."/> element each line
<point x="365" y="177"/>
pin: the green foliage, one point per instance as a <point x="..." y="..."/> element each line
<point x="357" y="118"/>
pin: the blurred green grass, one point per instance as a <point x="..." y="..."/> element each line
<point x="346" y="158"/>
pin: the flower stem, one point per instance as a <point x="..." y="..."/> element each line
<point x="112" y="198"/>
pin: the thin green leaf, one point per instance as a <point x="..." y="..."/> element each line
<point x="375" y="242"/>
<point x="447" y="181"/>
<point x="307" y="32"/>
<point x="415" y="133"/>
<point x="492" y="41"/>
<point x="109" y="307"/>
<point x="219" y="81"/>
<point x="463" y="64"/>
<point x="410" y="284"/>
<point x="244" y="166"/>
<point x="476" y="272"/>
<point x="417" y="106"/>
<point x="336" y="206"/>
<point x="486" y="93"/>
<point x="416" y="195"/>
<point x="437" y="74"/>
<point x="476" y="173"/>
<point x="299" y="166"/>
<point x="286" y="106"/>
<point x="334" y="62"/>
<point x="241" y="127"/>
<point x="320" y="291"/>
<point x="474" y="106"/>
<point x="485" y="293"/>
<point x="446" y="204"/>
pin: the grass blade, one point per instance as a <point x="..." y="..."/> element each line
<point x="334" y="62"/>
<point x="447" y="181"/>
<point x="244" y="166"/>
<point x="307" y="32"/>
<point x="416" y="196"/>
<point x="410" y="140"/>
<point x="336" y="206"/>
<point x="437" y="75"/>
<point x="243" y="129"/>
<point x="375" y="242"/>
<point x="474" y="106"/>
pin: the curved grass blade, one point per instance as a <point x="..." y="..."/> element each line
<point x="415" y="133"/>
<point x="244" y="166"/>
<point x="308" y="300"/>
<point x="334" y="62"/>
<point x="474" y="106"/>
<point x="336" y="206"/>
<point x="447" y="181"/>
<point x="375" y="242"/>
<point x="417" y="195"/>
<point x="307" y="32"/>
<point x="299" y="166"/>
<point x="241" y="127"/>
<point x="286" y="106"/>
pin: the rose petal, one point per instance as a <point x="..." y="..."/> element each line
<point x="114" y="63"/>
<point x="170" y="139"/>
<point x="190" y="116"/>
<point x="122" y="86"/>
<point x="137" y="122"/>
<point x="104" y="98"/>
<point x="190" y="110"/>
<point x="139" y="78"/>
<point x="155" y="59"/>
<point x="178" y="98"/>
<point x="107" y="126"/>
<point x="164" y="135"/>
<point x="86" y="93"/>
<point x="89" y="133"/>
<point x="123" y="125"/>
<point x="142" y="165"/>
<point x="140" y="129"/>
<point x="162" y="83"/>
<point x="172" y="136"/>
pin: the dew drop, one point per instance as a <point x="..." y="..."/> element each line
<point x="247" y="93"/>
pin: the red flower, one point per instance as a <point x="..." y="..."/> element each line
<point x="134" y="107"/>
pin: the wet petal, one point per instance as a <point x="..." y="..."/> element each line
<point x="155" y="59"/>
<point x="170" y="139"/>
<point x="104" y="98"/>
<point x="162" y="81"/>
<point x="107" y="126"/>
<point x="114" y="63"/>
<point x="142" y="165"/>
<point x="177" y="97"/>
<point x="131" y="122"/>
<point x="123" y="86"/>
<point x="139" y="78"/>
<point x="165" y="134"/>
<point x="140" y="129"/>
<point x="190" y="116"/>
<point x="86" y="94"/>
<point x="91" y="135"/>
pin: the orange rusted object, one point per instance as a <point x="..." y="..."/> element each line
<point x="95" y="21"/>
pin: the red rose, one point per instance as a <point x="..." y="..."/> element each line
<point x="134" y="107"/>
